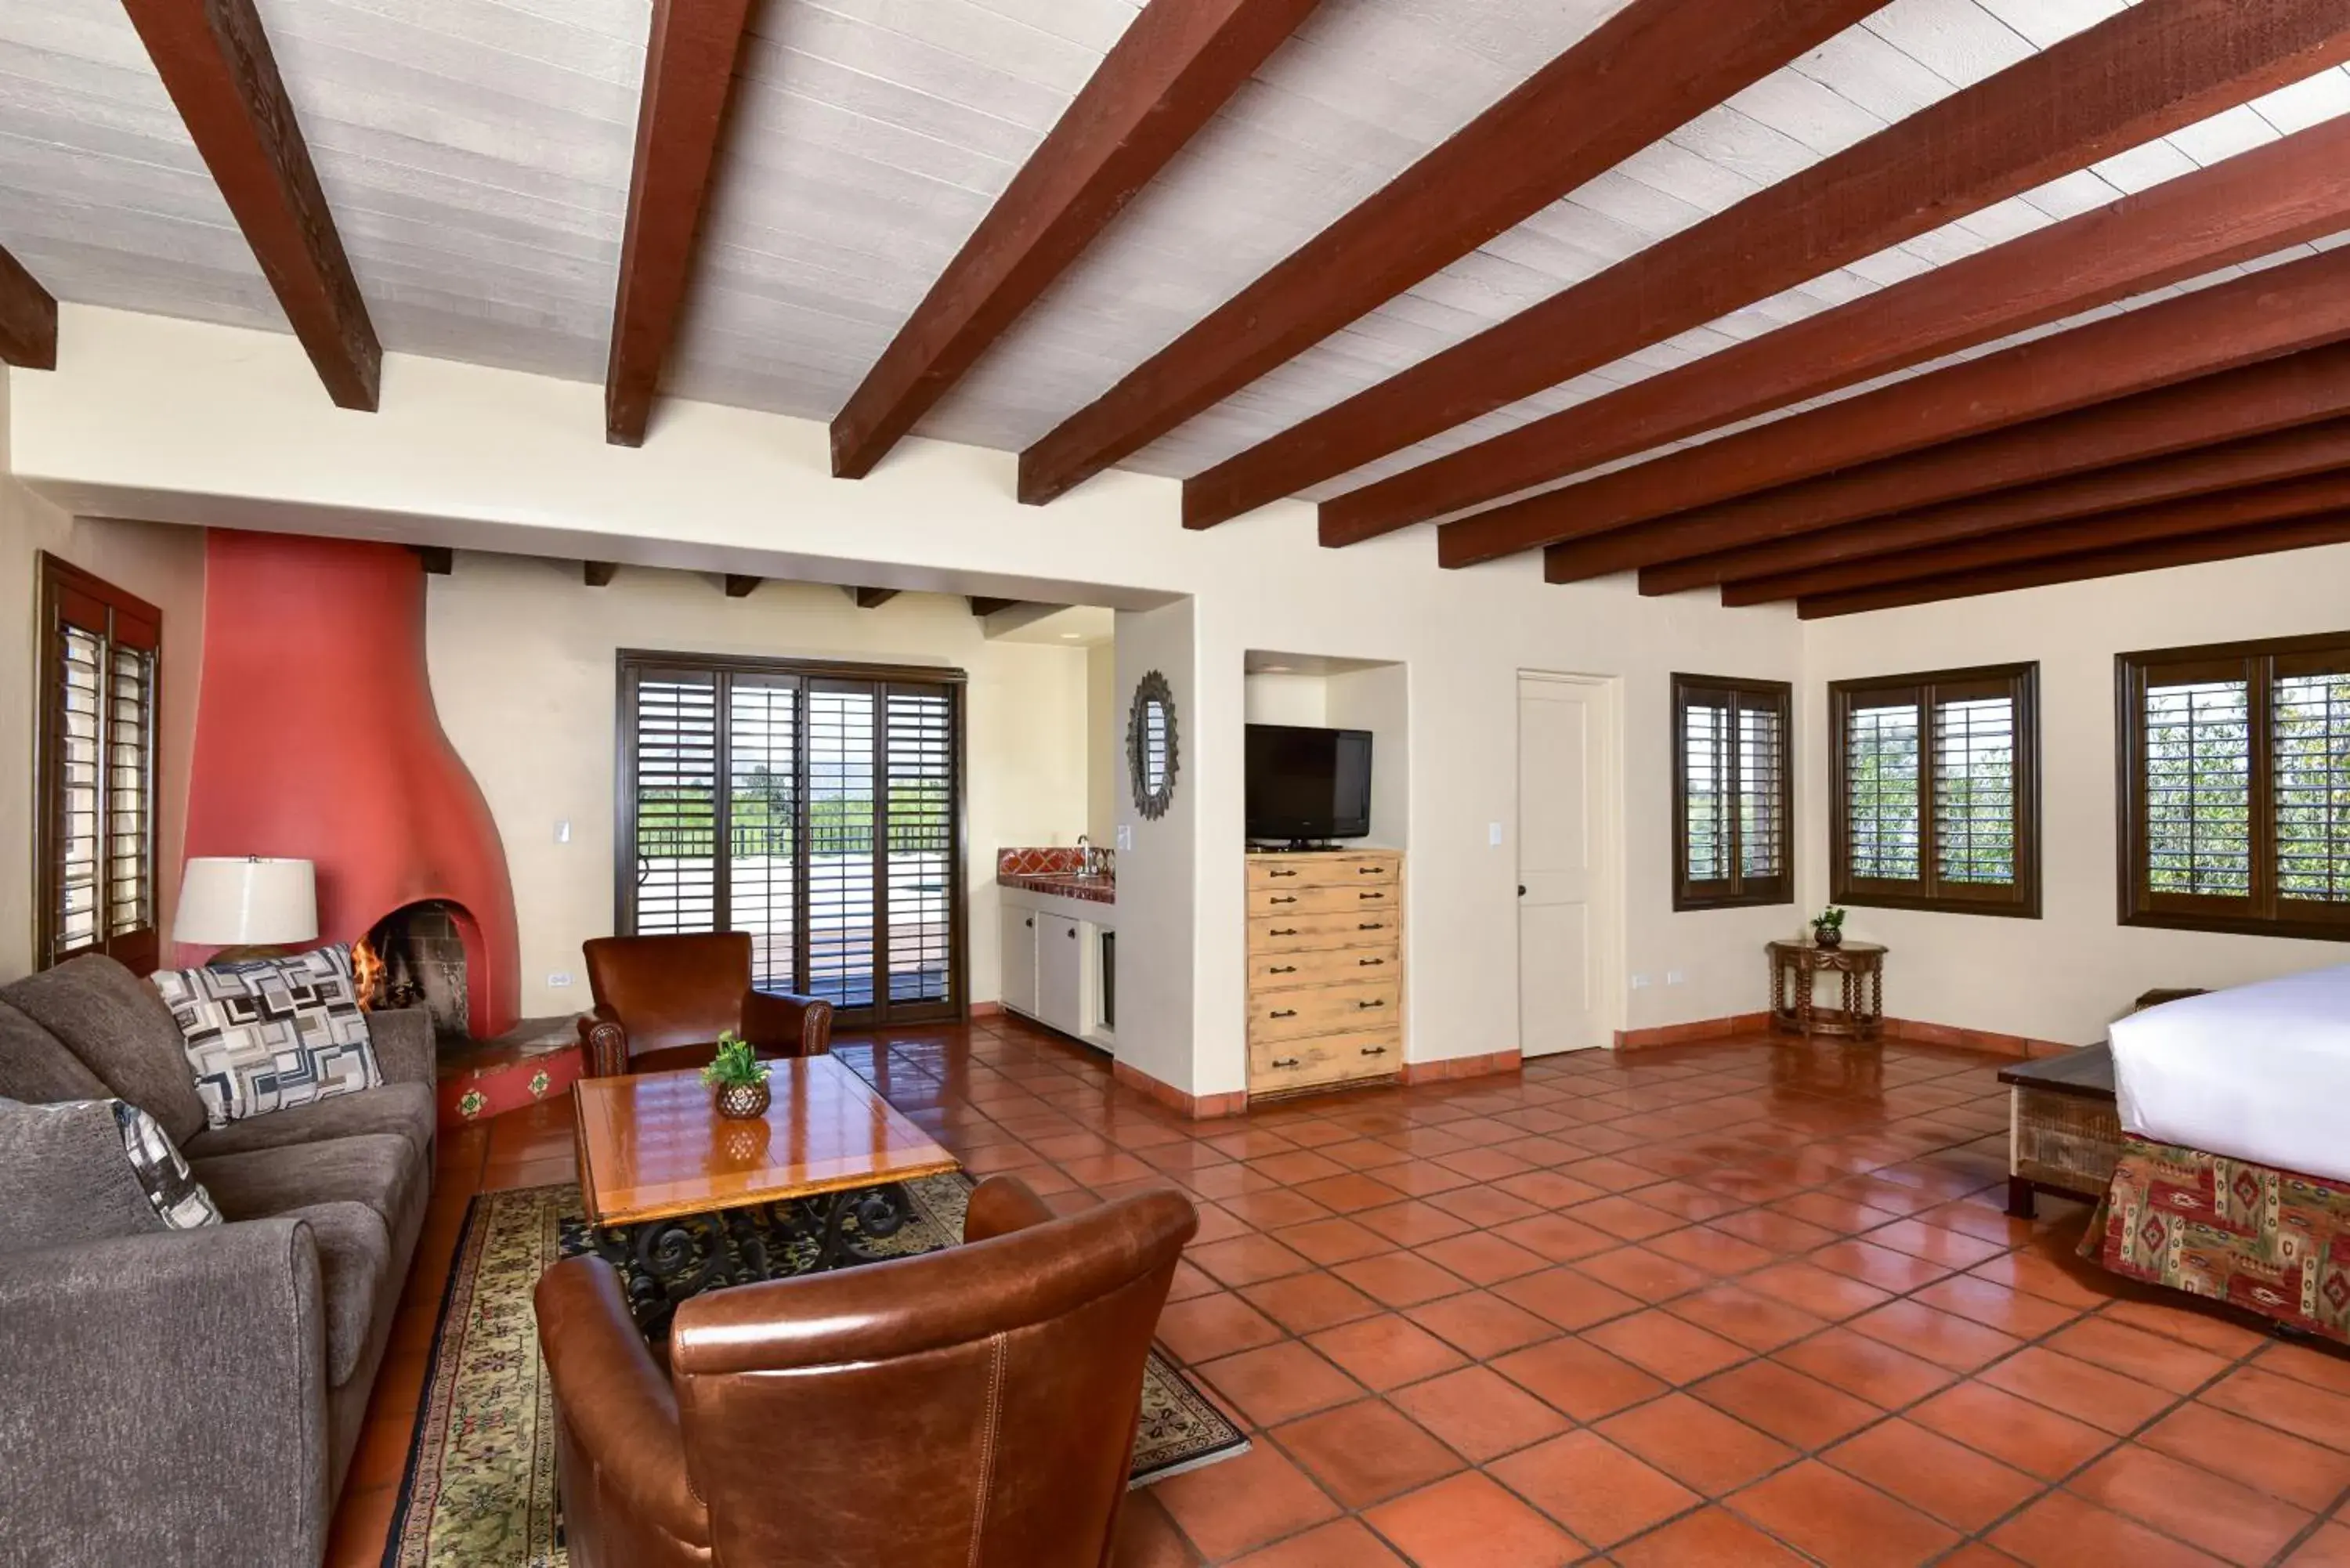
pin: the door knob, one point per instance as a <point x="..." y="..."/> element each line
<point x="1521" y="889"/>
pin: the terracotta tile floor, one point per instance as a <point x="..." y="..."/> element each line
<point x="1746" y="1304"/>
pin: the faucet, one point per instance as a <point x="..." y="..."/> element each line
<point x="1085" y="856"/>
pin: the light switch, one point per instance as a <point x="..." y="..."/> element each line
<point x="1640" y="982"/>
<point x="1125" y="835"/>
<point x="1675" y="976"/>
<point x="559" y="979"/>
<point x="1494" y="834"/>
<point x="562" y="832"/>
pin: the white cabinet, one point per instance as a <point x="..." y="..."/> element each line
<point x="1020" y="925"/>
<point x="1060" y="974"/>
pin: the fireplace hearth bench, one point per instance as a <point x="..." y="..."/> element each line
<point x="187" y="1398"/>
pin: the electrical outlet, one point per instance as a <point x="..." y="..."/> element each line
<point x="562" y="832"/>
<point x="1676" y="977"/>
<point x="559" y="979"/>
<point x="1640" y="982"/>
<point x="1125" y="835"/>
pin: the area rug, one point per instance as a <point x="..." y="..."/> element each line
<point x="479" y="1490"/>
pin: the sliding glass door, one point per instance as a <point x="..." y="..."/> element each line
<point x="817" y="807"/>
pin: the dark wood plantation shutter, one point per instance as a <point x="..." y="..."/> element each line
<point x="101" y="652"/>
<point x="1732" y="793"/>
<point x="836" y="840"/>
<point x="2235" y="767"/>
<point x="1935" y="792"/>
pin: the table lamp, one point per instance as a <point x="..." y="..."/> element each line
<point x="248" y="906"/>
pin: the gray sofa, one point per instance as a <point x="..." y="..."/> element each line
<point x="191" y="1397"/>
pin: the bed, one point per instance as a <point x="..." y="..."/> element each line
<point x="2234" y="1179"/>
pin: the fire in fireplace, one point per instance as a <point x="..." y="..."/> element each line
<point x="415" y="957"/>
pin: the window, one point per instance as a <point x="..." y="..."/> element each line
<point x="1934" y="791"/>
<point x="95" y="860"/>
<point x="817" y="807"/>
<point x="2235" y="776"/>
<point x="1732" y="795"/>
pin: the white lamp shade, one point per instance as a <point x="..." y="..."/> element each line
<point x="247" y="902"/>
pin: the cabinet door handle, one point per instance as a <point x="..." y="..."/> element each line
<point x="1375" y="1050"/>
<point x="1285" y="969"/>
<point x="1286" y="1062"/>
<point x="1370" y="895"/>
<point x="1372" y="926"/>
<point x="1284" y="900"/>
<point x="1286" y="1013"/>
<point x="1290" y="931"/>
<point x="1073" y="933"/>
<point x="1032" y="922"/>
<point x="1368" y="963"/>
<point x="1370" y="1004"/>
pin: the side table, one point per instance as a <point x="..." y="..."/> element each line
<point x="1861" y="968"/>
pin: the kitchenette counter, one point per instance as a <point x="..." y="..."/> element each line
<point x="1059" y="939"/>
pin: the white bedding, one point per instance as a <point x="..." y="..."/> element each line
<point x="2259" y="1073"/>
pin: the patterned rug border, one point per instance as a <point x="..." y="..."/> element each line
<point x="441" y="1373"/>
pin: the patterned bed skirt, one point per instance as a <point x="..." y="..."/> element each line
<point x="2272" y="1241"/>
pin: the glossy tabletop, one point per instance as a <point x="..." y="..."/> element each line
<point x="655" y="1146"/>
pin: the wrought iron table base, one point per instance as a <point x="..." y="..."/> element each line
<point x="666" y="1262"/>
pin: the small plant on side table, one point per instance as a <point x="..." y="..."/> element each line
<point x="739" y="1077"/>
<point x="1828" y="928"/>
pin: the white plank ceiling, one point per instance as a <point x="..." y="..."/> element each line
<point x="476" y="154"/>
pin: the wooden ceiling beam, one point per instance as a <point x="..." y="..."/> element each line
<point x="1647" y="71"/>
<point x="28" y="318"/>
<point x="438" y="560"/>
<point x="2268" y="314"/>
<point x="216" y="63"/>
<point x="599" y="574"/>
<point x="2300" y="389"/>
<point x="984" y="608"/>
<point x="2334" y="528"/>
<point x="873" y="598"/>
<point x="2265" y="201"/>
<point x="2156" y="67"/>
<point x="2247" y="465"/>
<point x="741" y="585"/>
<point x="1179" y="62"/>
<point x="681" y="112"/>
<point x="2204" y="514"/>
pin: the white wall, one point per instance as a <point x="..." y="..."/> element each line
<point x="523" y="662"/>
<point x="1159" y="866"/>
<point x="165" y="566"/>
<point x="2067" y="974"/>
<point x="194" y="422"/>
<point x="1105" y="744"/>
<point x="1274" y="699"/>
<point x="1379" y="699"/>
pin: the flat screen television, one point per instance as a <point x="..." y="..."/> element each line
<point x="1306" y="785"/>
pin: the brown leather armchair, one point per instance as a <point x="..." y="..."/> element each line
<point x="975" y="1406"/>
<point x="661" y="1003"/>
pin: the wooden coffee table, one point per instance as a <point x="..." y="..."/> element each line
<point x="668" y="1183"/>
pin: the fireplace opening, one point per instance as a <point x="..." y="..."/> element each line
<point x="415" y="957"/>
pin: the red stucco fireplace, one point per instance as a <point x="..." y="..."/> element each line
<point x="316" y="737"/>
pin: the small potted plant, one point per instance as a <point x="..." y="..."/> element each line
<point x="739" y="1077"/>
<point x="1828" y="928"/>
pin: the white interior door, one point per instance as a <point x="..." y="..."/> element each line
<point x="1566" y="937"/>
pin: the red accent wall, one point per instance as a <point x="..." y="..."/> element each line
<point x="317" y="738"/>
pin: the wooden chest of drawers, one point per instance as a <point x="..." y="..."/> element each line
<point x="1326" y="969"/>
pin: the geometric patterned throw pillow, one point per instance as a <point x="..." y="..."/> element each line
<point x="177" y="1196"/>
<point x="269" y="1033"/>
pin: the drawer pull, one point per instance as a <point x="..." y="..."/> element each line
<point x="1368" y="963"/>
<point x="1366" y="870"/>
<point x="1364" y="1005"/>
<point x="1287" y="1062"/>
<point x="1290" y="931"/>
<point x="1284" y="1012"/>
<point x="1370" y="895"/>
<point x="1375" y="1050"/>
<point x="1366" y="926"/>
<point x="1282" y="969"/>
<point x="1278" y="872"/>
<point x="1283" y="900"/>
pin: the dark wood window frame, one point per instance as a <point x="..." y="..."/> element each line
<point x="2264" y="911"/>
<point x="72" y="598"/>
<point x="2018" y="899"/>
<point x="1737" y="890"/>
<point x="631" y="661"/>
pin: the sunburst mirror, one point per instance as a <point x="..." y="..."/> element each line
<point x="1151" y="745"/>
